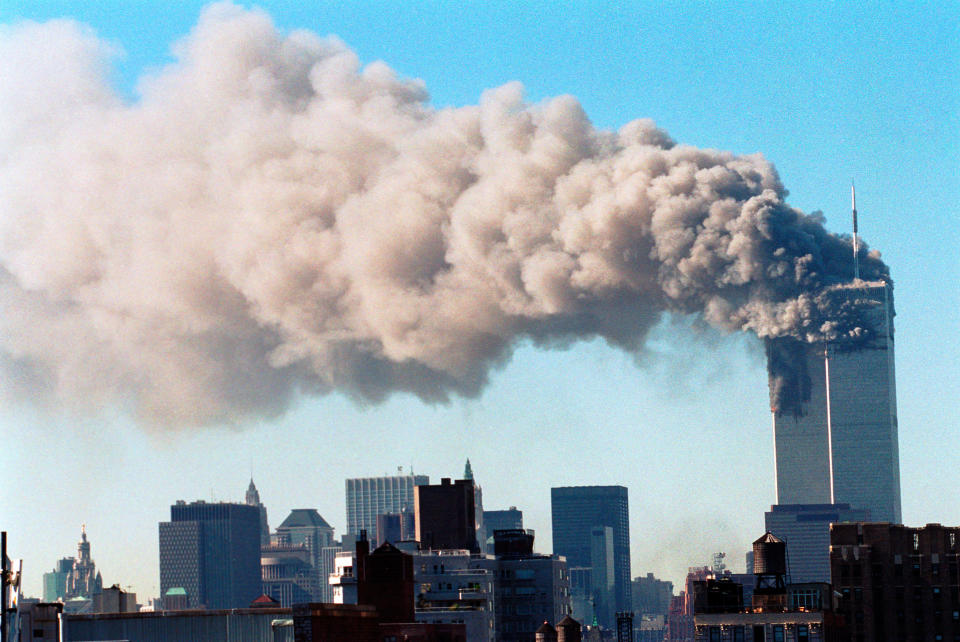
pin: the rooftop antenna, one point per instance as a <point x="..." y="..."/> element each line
<point x="856" y="245"/>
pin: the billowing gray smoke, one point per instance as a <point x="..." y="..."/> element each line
<point x="271" y="218"/>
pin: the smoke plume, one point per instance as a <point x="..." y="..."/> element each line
<point x="269" y="218"/>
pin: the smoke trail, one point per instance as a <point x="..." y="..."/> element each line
<point x="272" y="218"/>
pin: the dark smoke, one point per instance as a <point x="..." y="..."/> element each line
<point x="272" y="218"/>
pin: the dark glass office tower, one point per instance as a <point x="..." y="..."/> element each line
<point x="576" y="511"/>
<point x="212" y="551"/>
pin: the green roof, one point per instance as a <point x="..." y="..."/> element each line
<point x="304" y="517"/>
<point x="177" y="590"/>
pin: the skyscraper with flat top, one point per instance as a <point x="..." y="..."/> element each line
<point x="837" y="457"/>
<point x="212" y="552"/>
<point x="368" y="497"/>
<point x="841" y="446"/>
<point x="576" y="511"/>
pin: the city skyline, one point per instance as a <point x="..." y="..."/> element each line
<point x="818" y="96"/>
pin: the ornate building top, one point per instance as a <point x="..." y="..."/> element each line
<point x="83" y="579"/>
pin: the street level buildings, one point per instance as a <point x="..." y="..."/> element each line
<point x="897" y="583"/>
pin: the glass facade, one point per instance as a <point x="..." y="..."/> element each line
<point x="843" y="447"/>
<point x="368" y="497"/>
<point x="212" y="550"/>
<point x="576" y="511"/>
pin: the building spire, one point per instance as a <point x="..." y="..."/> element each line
<point x="468" y="470"/>
<point x="856" y="258"/>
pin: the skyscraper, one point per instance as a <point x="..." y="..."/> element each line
<point x="576" y="511"/>
<point x="83" y="578"/>
<point x="55" y="582"/>
<point x="841" y="447"/>
<point x="445" y="515"/>
<point x="306" y="527"/>
<point x="836" y="453"/>
<point x="253" y="499"/>
<point x="211" y="551"/>
<point x="494" y="520"/>
<point x="368" y="497"/>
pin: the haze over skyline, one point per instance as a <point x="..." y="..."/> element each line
<point x="824" y="97"/>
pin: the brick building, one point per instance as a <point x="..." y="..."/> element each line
<point x="898" y="584"/>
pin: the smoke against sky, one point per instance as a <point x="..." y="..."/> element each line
<point x="270" y="217"/>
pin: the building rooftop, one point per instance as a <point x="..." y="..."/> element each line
<point x="304" y="517"/>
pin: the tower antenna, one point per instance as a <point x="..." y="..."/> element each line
<point x="856" y="258"/>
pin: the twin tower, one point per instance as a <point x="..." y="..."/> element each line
<point x="837" y="459"/>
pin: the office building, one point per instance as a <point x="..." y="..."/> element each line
<point x="212" y="552"/>
<point x="897" y="582"/>
<point x="576" y="511"/>
<point x="396" y="527"/>
<point x="368" y="497"/>
<point x="114" y="600"/>
<point x="838" y="443"/>
<point x="253" y="499"/>
<point x="288" y="574"/>
<point x="836" y="449"/>
<point x="651" y="596"/>
<point x="602" y="574"/>
<point x="479" y="526"/>
<point x="83" y="578"/>
<point x="805" y="528"/>
<point x="445" y="515"/>
<point x="530" y="588"/>
<point x="494" y="520"/>
<point x="55" y="582"/>
<point x="304" y="528"/>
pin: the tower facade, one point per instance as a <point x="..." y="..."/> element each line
<point x="578" y="510"/>
<point x="55" y="582"/>
<point x="83" y="579"/>
<point x="446" y="516"/>
<point x="252" y="498"/>
<point x="212" y="552"/>
<point x="307" y="528"/>
<point x="368" y="497"/>
<point x="841" y="446"/>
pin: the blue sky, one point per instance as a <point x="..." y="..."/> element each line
<point x="827" y="92"/>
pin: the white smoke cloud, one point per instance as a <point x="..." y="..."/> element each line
<point x="271" y="217"/>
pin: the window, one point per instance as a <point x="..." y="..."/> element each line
<point x="778" y="633"/>
<point x="738" y="634"/>
<point x="803" y="633"/>
<point x="759" y="633"/>
<point x="714" y="634"/>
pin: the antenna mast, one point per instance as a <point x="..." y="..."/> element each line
<point x="856" y="258"/>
